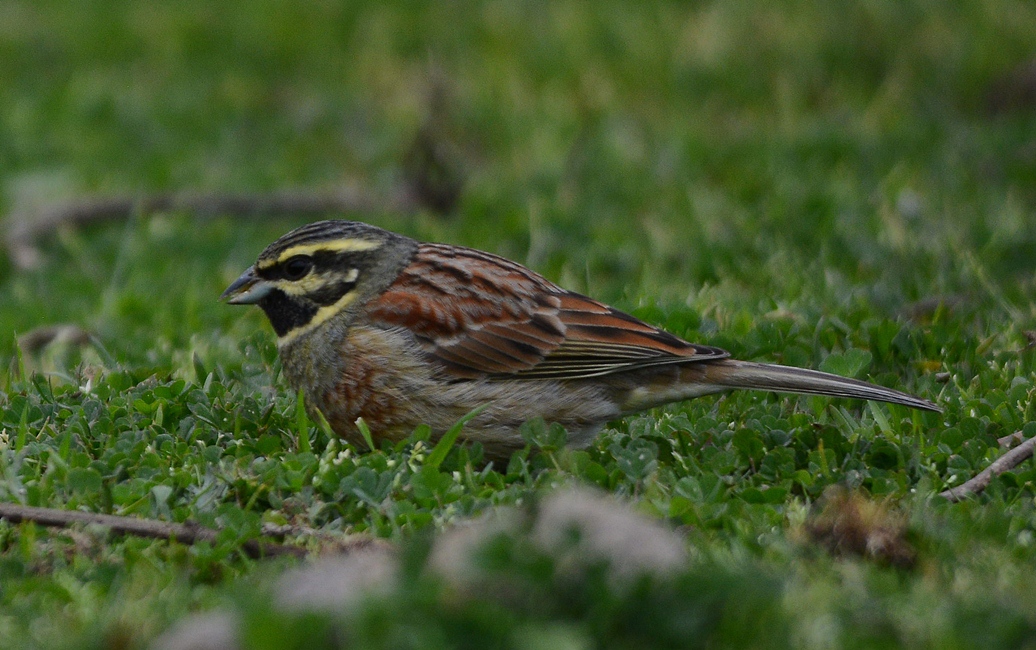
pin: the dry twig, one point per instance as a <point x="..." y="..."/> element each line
<point x="35" y="340"/>
<point x="26" y="227"/>
<point x="1011" y="440"/>
<point x="980" y="481"/>
<point x="183" y="533"/>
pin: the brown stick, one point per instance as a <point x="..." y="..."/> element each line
<point x="183" y="533"/>
<point x="27" y="226"/>
<point x="1009" y="441"/>
<point x="981" y="481"/>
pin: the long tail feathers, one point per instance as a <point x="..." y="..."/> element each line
<point x="784" y="379"/>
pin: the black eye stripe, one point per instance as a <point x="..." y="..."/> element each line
<point x="267" y="272"/>
<point x="339" y="260"/>
<point x="332" y="292"/>
<point x="323" y="261"/>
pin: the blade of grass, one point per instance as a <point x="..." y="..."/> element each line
<point x="302" y="423"/>
<point x="445" y="444"/>
<point x="365" y="432"/>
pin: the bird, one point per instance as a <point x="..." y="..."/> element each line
<point x="375" y="325"/>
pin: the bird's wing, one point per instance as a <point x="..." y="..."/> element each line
<point x="480" y="315"/>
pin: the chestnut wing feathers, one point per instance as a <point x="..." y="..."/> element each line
<point x="481" y="315"/>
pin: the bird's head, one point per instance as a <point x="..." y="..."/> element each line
<point x="318" y="271"/>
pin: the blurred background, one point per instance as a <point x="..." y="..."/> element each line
<point x="643" y="153"/>
<point x="846" y="185"/>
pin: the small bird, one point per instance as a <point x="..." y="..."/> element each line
<point x="376" y="325"/>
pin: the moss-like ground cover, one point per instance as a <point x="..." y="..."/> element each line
<point x="843" y="185"/>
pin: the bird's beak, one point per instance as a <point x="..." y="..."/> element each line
<point x="247" y="290"/>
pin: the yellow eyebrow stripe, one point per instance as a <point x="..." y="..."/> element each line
<point x="334" y="246"/>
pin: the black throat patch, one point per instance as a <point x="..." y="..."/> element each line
<point x="285" y="312"/>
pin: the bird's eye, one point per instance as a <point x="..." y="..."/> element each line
<point x="297" y="267"/>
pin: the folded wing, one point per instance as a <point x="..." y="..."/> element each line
<point x="479" y="315"/>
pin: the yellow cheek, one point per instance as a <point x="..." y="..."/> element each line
<point x="306" y="285"/>
<point x="314" y="282"/>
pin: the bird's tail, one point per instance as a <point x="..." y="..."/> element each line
<point x="717" y="376"/>
<point x="730" y="374"/>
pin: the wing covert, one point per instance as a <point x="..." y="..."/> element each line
<point x="480" y="315"/>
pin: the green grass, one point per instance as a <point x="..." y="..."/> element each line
<point x="784" y="180"/>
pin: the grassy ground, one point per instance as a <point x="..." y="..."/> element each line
<point x="842" y="185"/>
